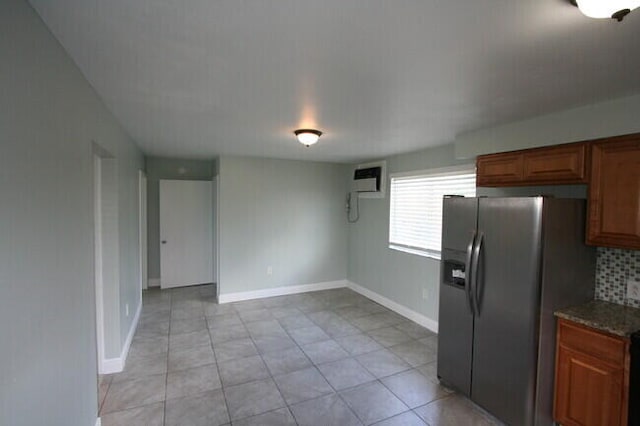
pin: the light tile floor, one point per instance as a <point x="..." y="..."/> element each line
<point x="325" y="358"/>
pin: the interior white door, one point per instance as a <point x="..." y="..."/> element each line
<point x="186" y="244"/>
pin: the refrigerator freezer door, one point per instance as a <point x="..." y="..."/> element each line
<point x="459" y="222"/>
<point x="455" y="320"/>
<point x="508" y="295"/>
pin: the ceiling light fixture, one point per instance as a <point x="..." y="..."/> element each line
<point x="616" y="9"/>
<point x="307" y="136"/>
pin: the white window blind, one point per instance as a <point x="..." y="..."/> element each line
<point x="415" y="220"/>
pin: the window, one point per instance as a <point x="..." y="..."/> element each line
<point x="415" y="219"/>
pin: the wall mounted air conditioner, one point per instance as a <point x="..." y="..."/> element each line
<point x="369" y="180"/>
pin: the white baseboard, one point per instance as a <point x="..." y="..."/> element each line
<point x="112" y="365"/>
<point x="116" y="365"/>
<point x="132" y="332"/>
<point x="153" y="282"/>
<point x="396" y="307"/>
<point x="280" y="291"/>
<point x="98" y="422"/>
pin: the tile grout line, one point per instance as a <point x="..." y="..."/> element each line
<point x="272" y="377"/>
<point x="105" y="394"/>
<point x="376" y="379"/>
<point x="287" y="332"/>
<point x="313" y="364"/>
<point x="166" y="377"/>
<point x="169" y="337"/>
<point x="337" y="392"/>
<point x="224" y="394"/>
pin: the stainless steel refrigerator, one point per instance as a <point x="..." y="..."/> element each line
<point x="507" y="264"/>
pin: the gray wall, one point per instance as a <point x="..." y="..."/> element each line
<point x="289" y="215"/>
<point x="167" y="168"/>
<point x="110" y="251"/>
<point x="130" y="161"/>
<point x="49" y="116"/>
<point x="614" y="117"/>
<point x="396" y="275"/>
<point x="400" y="276"/>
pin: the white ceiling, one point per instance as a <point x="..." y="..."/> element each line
<point x="200" y="78"/>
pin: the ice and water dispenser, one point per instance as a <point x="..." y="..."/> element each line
<point x="453" y="272"/>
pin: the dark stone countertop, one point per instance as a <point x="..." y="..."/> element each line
<point x="604" y="316"/>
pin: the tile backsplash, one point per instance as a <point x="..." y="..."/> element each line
<point x="613" y="268"/>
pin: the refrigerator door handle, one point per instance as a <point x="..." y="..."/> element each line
<point x="474" y="272"/>
<point x="467" y="268"/>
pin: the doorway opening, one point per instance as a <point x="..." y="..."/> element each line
<point x="142" y="225"/>
<point x="106" y="263"/>
<point x="98" y="260"/>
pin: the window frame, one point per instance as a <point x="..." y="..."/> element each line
<point x="435" y="172"/>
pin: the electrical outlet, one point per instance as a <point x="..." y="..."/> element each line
<point x="425" y="294"/>
<point x="269" y="270"/>
<point x="126" y="309"/>
<point x="633" y="289"/>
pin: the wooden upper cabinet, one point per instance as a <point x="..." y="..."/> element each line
<point x="499" y="169"/>
<point x="560" y="164"/>
<point x="614" y="193"/>
<point x="610" y="166"/>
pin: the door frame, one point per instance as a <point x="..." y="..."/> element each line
<point x="142" y="231"/>
<point x="216" y="227"/>
<point x="98" y="258"/>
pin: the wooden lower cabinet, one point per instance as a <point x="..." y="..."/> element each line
<point x="592" y="377"/>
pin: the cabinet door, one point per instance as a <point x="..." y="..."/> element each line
<point x="589" y="392"/>
<point x="614" y="194"/>
<point x="563" y="164"/>
<point x="499" y="169"/>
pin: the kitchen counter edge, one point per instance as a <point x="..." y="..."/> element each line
<point x="604" y="316"/>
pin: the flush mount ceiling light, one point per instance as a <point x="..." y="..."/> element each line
<point x="307" y="136"/>
<point x="616" y="9"/>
